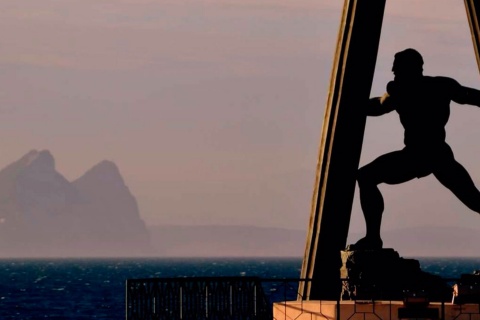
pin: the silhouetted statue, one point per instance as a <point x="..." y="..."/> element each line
<point x="423" y="104"/>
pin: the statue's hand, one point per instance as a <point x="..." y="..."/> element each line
<point x="384" y="98"/>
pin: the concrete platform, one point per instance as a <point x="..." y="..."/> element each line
<point x="384" y="310"/>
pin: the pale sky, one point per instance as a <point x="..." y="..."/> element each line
<point x="212" y="109"/>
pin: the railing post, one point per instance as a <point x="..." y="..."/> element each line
<point x="206" y="300"/>
<point x="126" y="299"/>
<point x="338" y="308"/>
<point x="231" y="300"/>
<point x="255" y="300"/>
<point x="181" y="302"/>
<point x="443" y="310"/>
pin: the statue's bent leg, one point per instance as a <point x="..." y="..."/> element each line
<point x="456" y="178"/>
<point x="392" y="168"/>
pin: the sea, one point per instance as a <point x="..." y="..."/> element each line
<point x="95" y="288"/>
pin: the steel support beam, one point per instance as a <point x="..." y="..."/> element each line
<point x="340" y="147"/>
<point x="473" y="11"/>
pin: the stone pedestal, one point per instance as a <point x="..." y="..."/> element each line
<point x="384" y="275"/>
<point x="385" y="310"/>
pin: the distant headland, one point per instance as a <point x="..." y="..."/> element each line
<point x="42" y="214"/>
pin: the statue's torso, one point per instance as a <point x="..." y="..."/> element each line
<point x="424" y="109"/>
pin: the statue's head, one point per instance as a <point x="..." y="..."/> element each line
<point x="408" y="64"/>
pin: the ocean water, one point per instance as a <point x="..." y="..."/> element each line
<point x="95" y="288"/>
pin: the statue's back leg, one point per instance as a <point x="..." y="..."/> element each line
<point x="456" y="178"/>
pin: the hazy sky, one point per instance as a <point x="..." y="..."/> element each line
<point x="212" y="109"/>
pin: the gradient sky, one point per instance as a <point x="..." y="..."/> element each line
<point x="212" y="109"/>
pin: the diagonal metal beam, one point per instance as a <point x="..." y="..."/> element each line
<point x="340" y="147"/>
<point x="473" y="11"/>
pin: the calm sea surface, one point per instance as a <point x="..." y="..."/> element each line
<point x="95" y="289"/>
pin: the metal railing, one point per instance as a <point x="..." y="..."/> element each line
<point x="197" y="298"/>
<point x="226" y="298"/>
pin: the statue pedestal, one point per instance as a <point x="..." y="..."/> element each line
<point x="383" y="275"/>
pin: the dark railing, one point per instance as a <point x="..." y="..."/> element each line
<point x="197" y="298"/>
<point x="225" y="298"/>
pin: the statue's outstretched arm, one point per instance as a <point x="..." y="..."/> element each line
<point x="379" y="105"/>
<point x="465" y="95"/>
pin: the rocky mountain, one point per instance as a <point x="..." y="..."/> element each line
<point x="42" y="214"/>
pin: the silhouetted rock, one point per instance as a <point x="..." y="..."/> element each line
<point x="43" y="214"/>
<point x="383" y="275"/>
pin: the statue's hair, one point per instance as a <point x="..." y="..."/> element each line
<point x="409" y="58"/>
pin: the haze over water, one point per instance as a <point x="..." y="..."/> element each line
<point x="212" y="109"/>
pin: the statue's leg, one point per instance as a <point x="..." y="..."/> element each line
<point x="392" y="168"/>
<point x="456" y="178"/>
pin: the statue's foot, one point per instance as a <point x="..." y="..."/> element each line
<point x="367" y="243"/>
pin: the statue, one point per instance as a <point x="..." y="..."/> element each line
<point x="423" y="104"/>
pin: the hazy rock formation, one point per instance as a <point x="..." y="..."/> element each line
<point x="43" y="214"/>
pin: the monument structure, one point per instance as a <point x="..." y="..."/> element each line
<point x="341" y="142"/>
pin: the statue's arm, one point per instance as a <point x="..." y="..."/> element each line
<point x="465" y="95"/>
<point x="379" y="105"/>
